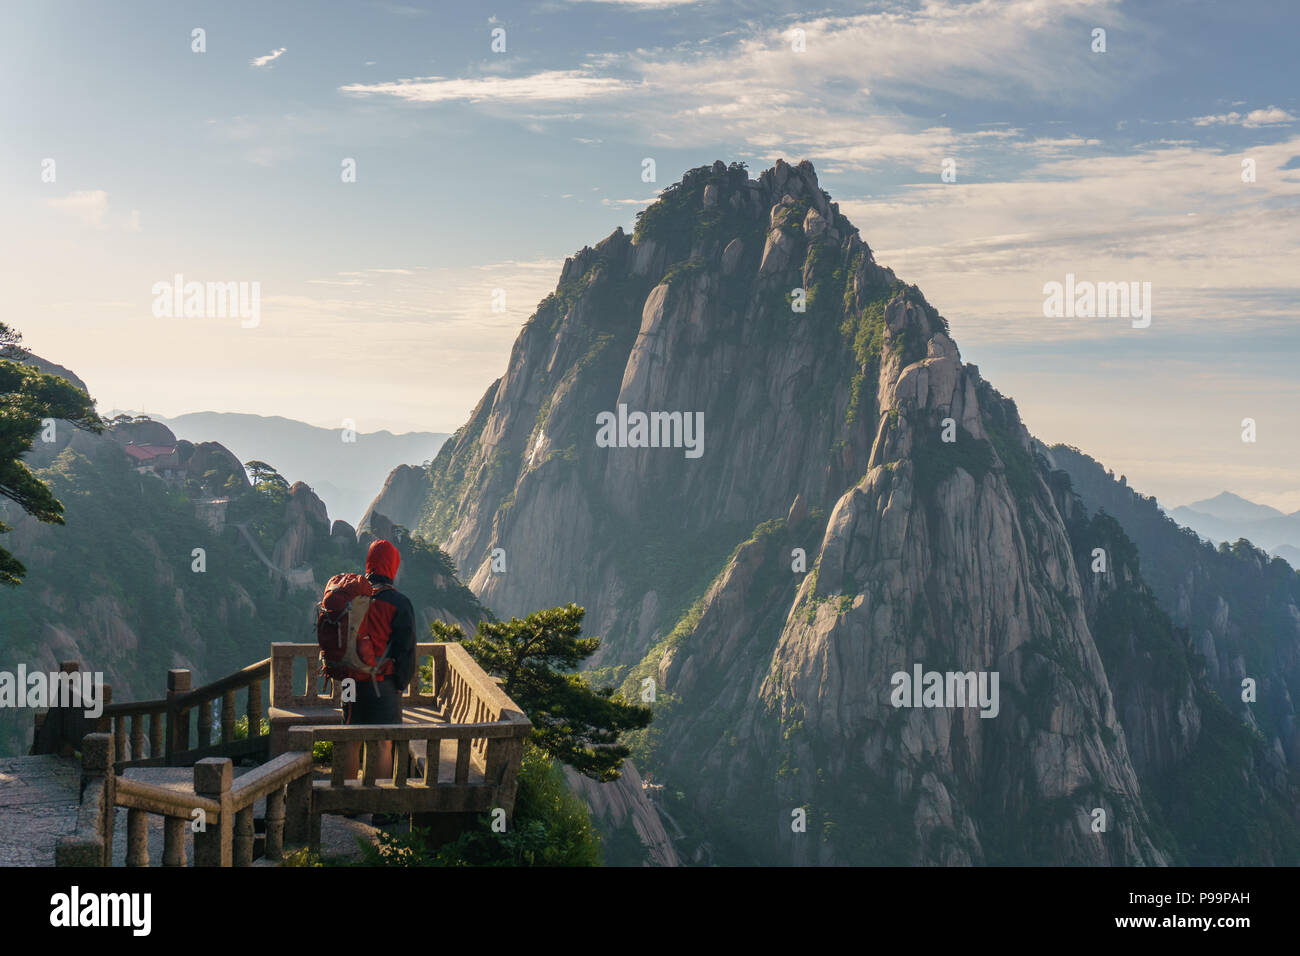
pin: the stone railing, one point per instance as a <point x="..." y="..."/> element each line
<point x="172" y="720"/>
<point x="154" y="733"/>
<point x="460" y="691"/>
<point x="456" y="755"/>
<point x="417" y="787"/>
<point x="218" y="807"/>
<point x="59" y="730"/>
<point x="460" y="712"/>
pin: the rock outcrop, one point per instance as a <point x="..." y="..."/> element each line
<point x="217" y="469"/>
<point x="402" y="498"/>
<point x="625" y="804"/>
<point x="307" y="527"/>
<point x="820" y="496"/>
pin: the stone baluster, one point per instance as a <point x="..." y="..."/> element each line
<point x="401" y="762"/>
<point x="137" y="837"/>
<point x="205" y="723"/>
<point x="156" y="721"/>
<point x="275" y="823"/>
<point x="464" y="745"/>
<point x="120" y="740"/>
<point x="227" y="716"/>
<point x="174" y="840"/>
<point x="137" y="736"/>
<point x="254" y="709"/>
<point x="243" y="852"/>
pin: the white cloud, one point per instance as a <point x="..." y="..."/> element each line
<point x="1168" y="215"/>
<point x="259" y="61"/>
<point x="641" y="4"/>
<point x="558" y="85"/>
<point x="1268" y="117"/>
<point x="87" y="206"/>
<point x="751" y="87"/>
<point x="1272" y="116"/>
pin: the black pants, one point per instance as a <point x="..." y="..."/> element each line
<point x="376" y="703"/>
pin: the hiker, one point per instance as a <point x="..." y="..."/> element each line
<point x="379" y="700"/>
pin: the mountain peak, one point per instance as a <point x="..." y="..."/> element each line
<point x="1229" y="507"/>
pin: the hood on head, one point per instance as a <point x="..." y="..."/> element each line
<point x="382" y="558"/>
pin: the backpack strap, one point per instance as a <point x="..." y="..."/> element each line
<point x="375" y="676"/>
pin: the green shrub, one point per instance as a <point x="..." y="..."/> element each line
<point x="241" y="728"/>
<point x="551" y="827"/>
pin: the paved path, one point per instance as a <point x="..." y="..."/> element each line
<point x="38" y="804"/>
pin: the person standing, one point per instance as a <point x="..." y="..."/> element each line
<point x="379" y="697"/>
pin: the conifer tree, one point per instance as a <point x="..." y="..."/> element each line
<point x="28" y="397"/>
<point x="535" y="657"/>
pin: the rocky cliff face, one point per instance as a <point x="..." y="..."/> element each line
<point x="1220" y="752"/>
<point x="624" y="808"/>
<point x="402" y="498"/>
<point x="692" y="317"/>
<point x="307" y="528"/>
<point x="823" y="496"/>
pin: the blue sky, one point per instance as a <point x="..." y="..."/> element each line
<point x="479" y="170"/>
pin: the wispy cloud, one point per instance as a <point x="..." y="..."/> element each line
<point x="548" y="85"/>
<point x="260" y="61"/>
<point x="89" y="207"/>
<point x="641" y="4"/>
<point x="1272" y="116"/>
<point x="838" y="97"/>
<point x="1164" y="214"/>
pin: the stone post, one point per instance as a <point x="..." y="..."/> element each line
<point x="214" y="846"/>
<point x="178" y="721"/>
<point x="297" y="828"/>
<point x="92" y="843"/>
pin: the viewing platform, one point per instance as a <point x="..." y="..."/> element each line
<point x="252" y="792"/>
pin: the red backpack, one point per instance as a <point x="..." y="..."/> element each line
<point x="352" y="643"/>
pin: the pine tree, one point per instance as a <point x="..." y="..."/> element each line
<point x="535" y="658"/>
<point x="28" y="397"/>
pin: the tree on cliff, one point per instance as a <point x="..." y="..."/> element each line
<point x="535" y="656"/>
<point x="267" y="480"/>
<point x="29" y="399"/>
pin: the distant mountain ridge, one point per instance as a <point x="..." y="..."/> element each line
<point x="1228" y="517"/>
<point x="343" y="473"/>
<point x="1230" y="507"/>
